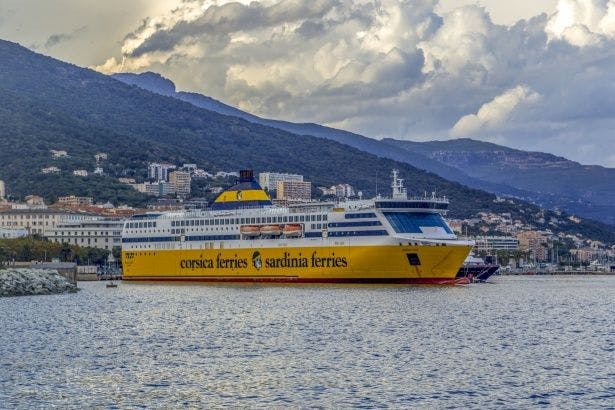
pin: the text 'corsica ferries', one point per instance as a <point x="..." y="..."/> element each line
<point x="244" y="238"/>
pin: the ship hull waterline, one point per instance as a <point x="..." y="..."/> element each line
<point x="436" y="265"/>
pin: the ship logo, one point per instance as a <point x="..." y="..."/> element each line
<point x="257" y="262"/>
<point x="239" y="195"/>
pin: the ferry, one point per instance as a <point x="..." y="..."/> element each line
<point x="243" y="237"/>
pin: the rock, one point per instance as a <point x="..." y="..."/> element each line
<point x="21" y="282"/>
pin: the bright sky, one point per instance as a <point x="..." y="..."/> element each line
<point x="408" y="69"/>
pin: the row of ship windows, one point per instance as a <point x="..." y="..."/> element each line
<point x="181" y="231"/>
<point x="260" y="220"/>
<point x="255" y="220"/>
<point x="333" y="234"/>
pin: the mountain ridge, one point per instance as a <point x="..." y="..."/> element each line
<point x="438" y="157"/>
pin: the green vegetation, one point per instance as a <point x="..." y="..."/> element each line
<point x="46" y="104"/>
<point x="33" y="248"/>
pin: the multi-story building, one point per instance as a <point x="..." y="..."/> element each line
<point x="2" y="190"/>
<point x="96" y="232"/>
<point x="73" y="200"/>
<point x="343" y="191"/>
<point x="6" y="233"/>
<point x="161" y="188"/>
<point x="496" y="243"/>
<point x="535" y="242"/>
<point x="269" y="180"/>
<point x="180" y="182"/>
<point x="35" y="220"/>
<point x="80" y="172"/>
<point x="35" y="200"/>
<point x="50" y="170"/>
<point x="294" y="190"/>
<point x="58" y="153"/>
<point x="159" y="171"/>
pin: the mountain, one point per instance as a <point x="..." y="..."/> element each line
<point x="550" y="181"/>
<point x="46" y="104"/>
<point x="545" y="179"/>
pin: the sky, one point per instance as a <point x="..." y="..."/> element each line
<point x="531" y="74"/>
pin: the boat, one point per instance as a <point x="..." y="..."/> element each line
<point x="393" y="240"/>
<point x="112" y="285"/>
<point x="272" y="230"/>
<point x="292" y="230"/>
<point x="477" y="269"/>
<point x="250" y="230"/>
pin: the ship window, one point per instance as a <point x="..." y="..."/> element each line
<point x="413" y="259"/>
<point x="252" y="220"/>
<point x="415" y="222"/>
<point x="268" y="219"/>
<point x="319" y="217"/>
<point x="206" y="221"/>
<point x="243" y="220"/>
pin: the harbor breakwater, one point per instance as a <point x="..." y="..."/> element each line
<point x="22" y="282"/>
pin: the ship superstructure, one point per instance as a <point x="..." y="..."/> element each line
<point x="244" y="238"/>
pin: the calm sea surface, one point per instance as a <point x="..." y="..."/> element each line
<point x="515" y="342"/>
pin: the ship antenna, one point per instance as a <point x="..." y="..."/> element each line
<point x="397" y="186"/>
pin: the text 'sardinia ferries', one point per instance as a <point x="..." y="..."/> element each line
<point x="244" y="238"/>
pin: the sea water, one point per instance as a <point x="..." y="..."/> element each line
<point x="515" y="342"/>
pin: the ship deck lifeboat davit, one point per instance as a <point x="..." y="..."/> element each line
<point x="250" y="230"/>
<point x="272" y="230"/>
<point x="292" y="230"/>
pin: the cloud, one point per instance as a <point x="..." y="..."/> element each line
<point x="583" y="22"/>
<point x="56" y="39"/>
<point x="395" y="68"/>
<point x="494" y="114"/>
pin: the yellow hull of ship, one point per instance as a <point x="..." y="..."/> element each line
<point x="384" y="264"/>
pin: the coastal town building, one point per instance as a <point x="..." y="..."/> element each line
<point x="96" y="232"/>
<point x="294" y="190"/>
<point x="58" y="154"/>
<point x="159" y="172"/>
<point x="269" y="180"/>
<point x="100" y="156"/>
<point x="35" y="200"/>
<point x="80" y="172"/>
<point x="6" y="233"/>
<point x="35" y="220"/>
<point x="50" y="170"/>
<point x="496" y="243"/>
<point x="75" y="201"/>
<point x="2" y="190"/>
<point x="160" y="188"/>
<point x="180" y="182"/>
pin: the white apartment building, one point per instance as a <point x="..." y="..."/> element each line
<point x="12" y="233"/>
<point x="95" y="232"/>
<point x="269" y="180"/>
<point x="496" y="243"/>
<point x="36" y="220"/>
<point x="2" y="190"/>
<point x="159" y="172"/>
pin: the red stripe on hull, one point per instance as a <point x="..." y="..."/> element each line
<point x="269" y="279"/>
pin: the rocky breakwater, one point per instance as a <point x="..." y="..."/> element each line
<point x="21" y="282"/>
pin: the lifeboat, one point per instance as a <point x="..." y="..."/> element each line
<point x="292" y="230"/>
<point x="271" y="230"/>
<point x="250" y="230"/>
